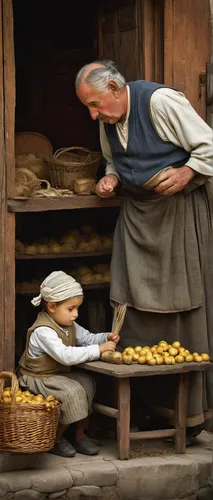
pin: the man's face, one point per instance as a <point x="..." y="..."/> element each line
<point x="105" y="106"/>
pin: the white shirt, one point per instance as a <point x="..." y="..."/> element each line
<point x="176" y="121"/>
<point x="44" y="340"/>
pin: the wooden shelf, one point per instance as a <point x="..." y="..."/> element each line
<point x="67" y="203"/>
<point x="93" y="286"/>
<point x="72" y="255"/>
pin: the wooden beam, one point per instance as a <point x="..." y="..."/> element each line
<point x="68" y="203"/>
<point x="105" y="410"/>
<point x="162" y="433"/>
<point x="9" y="308"/>
<point x="39" y="256"/>
<point x="2" y="201"/>
<point x="9" y="121"/>
<point x="9" y="95"/>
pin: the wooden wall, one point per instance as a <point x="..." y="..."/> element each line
<point x="187" y="48"/>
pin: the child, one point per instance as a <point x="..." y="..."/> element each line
<point x="55" y="342"/>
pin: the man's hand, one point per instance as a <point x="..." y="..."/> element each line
<point x="106" y="185"/>
<point x="107" y="346"/>
<point x="174" y="180"/>
<point x="113" y="337"/>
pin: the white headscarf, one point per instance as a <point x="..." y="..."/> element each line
<point x="56" y="287"/>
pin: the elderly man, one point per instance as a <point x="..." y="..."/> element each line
<point x="160" y="152"/>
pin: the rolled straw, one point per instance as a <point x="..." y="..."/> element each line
<point x="118" y="318"/>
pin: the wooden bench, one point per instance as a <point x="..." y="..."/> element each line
<point x="123" y="373"/>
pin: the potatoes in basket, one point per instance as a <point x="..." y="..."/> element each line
<point x="26" y="397"/>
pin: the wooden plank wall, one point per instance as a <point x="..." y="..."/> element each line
<point x="152" y="40"/>
<point x="120" y="36"/>
<point x="187" y="44"/>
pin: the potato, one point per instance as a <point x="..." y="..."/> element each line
<point x="198" y="359"/>
<point x="143" y="352"/>
<point x="189" y="358"/>
<point x="173" y="351"/>
<point x="160" y="350"/>
<point x="152" y="361"/>
<point x="176" y="344"/>
<point x="138" y="348"/>
<point x="148" y="356"/>
<point x="135" y="357"/>
<point x="205" y="357"/>
<point x="179" y="359"/>
<point x="159" y="360"/>
<point x="107" y="356"/>
<point x="142" y="360"/>
<point x="117" y="357"/>
<point x="128" y="360"/>
<point x="168" y="360"/>
<point x="50" y="398"/>
<point x="130" y="351"/>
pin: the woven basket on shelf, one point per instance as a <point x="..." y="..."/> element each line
<point x="32" y="142"/>
<point x="26" y="428"/>
<point x="68" y="164"/>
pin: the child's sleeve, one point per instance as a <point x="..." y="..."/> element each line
<point x="84" y="337"/>
<point x="47" y="341"/>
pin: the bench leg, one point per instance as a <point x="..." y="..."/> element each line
<point x="123" y="419"/>
<point x="180" y="413"/>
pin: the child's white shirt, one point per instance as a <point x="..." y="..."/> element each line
<point x="44" y="340"/>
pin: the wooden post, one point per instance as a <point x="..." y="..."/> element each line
<point x="123" y="419"/>
<point x="180" y="413"/>
<point x="2" y="202"/>
<point x="9" y="172"/>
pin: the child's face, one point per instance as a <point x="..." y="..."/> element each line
<point x="64" y="314"/>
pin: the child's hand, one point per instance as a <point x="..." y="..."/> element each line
<point x="113" y="337"/>
<point x="107" y="346"/>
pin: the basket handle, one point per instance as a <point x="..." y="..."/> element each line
<point x="65" y="150"/>
<point x="14" y="383"/>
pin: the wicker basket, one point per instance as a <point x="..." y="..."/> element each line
<point x="68" y="164"/>
<point x="32" y="142"/>
<point x="26" y="428"/>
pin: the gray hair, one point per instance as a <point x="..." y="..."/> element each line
<point x="100" y="77"/>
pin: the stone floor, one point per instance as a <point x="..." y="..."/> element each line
<point x="153" y="472"/>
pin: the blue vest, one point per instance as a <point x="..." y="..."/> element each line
<point x="146" y="154"/>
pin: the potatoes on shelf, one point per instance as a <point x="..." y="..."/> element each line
<point x="159" y="354"/>
<point x="85" y="239"/>
<point x="26" y="397"/>
<point x="99" y="273"/>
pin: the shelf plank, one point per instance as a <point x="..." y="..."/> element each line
<point x="72" y="255"/>
<point x="67" y="203"/>
<point x="93" y="286"/>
